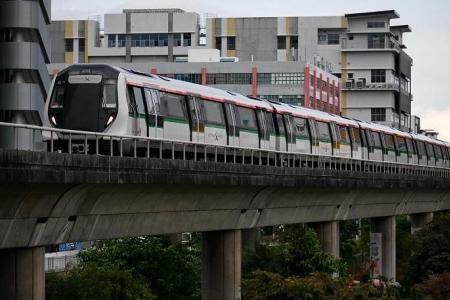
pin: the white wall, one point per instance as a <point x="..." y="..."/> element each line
<point x="115" y="23"/>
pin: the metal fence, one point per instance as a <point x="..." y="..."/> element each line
<point x="59" y="261"/>
<point x="132" y="146"/>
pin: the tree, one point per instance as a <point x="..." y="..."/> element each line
<point x="95" y="282"/>
<point x="431" y="249"/>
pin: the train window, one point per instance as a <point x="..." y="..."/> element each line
<point x="430" y="150"/>
<point x="438" y="152"/>
<point x="375" y="139"/>
<point x="173" y="105"/>
<point x="280" y="125"/>
<point x="269" y="122"/>
<point x="364" y="137"/>
<point x="109" y="94"/>
<point x="58" y="96"/>
<point x="401" y="144"/>
<point x="139" y="100"/>
<point x="356" y="137"/>
<point x="152" y="97"/>
<point x="421" y="149"/>
<point x="213" y="112"/>
<point x="389" y="142"/>
<point x="445" y="152"/>
<point x="247" y="118"/>
<point x="410" y="146"/>
<point x="343" y="132"/>
<point x="313" y="131"/>
<point x="324" y="131"/>
<point x="130" y="100"/>
<point x="301" y="128"/>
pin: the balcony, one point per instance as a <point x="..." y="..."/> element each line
<point x="362" y="85"/>
<point x="377" y="45"/>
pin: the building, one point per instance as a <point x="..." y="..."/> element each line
<point x="24" y="80"/>
<point x="136" y="35"/>
<point x="363" y="49"/>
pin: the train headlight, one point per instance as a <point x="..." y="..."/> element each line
<point x="111" y="119"/>
<point x="53" y="120"/>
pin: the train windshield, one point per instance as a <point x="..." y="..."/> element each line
<point x="84" y="100"/>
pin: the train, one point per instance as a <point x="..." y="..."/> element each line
<point x="121" y="102"/>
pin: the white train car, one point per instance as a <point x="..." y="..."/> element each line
<point x="102" y="98"/>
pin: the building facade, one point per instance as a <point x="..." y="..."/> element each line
<point x="24" y="80"/>
<point x="363" y="49"/>
<point x="138" y="35"/>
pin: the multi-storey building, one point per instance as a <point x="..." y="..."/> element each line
<point x="363" y="49"/>
<point x="136" y="35"/>
<point x="24" y="81"/>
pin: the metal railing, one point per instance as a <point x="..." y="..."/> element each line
<point x="127" y="145"/>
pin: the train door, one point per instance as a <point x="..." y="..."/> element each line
<point x="214" y="120"/>
<point x="365" y="144"/>
<point x="431" y="154"/>
<point x="271" y="128"/>
<point x="264" y="135"/>
<point x="139" y="118"/>
<point x="232" y="124"/>
<point x="355" y="136"/>
<point x="290" y="133"/>
<point x="412" y="153"/>
<point x="176" y="124"/>
<point x="315" y="149"/>
<point x="324" y="138"/>
<point x="154" y="119"/>
<point x="302" y="135"/>
<point x="402" y="150"/>
<point x="335" y="137"/>
<point x="389" y="146"/>
<point x="197" y="120"/>
<point x="421" y="153"/>
<point x="280" y="131"/>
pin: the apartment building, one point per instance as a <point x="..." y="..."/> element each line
<point x="24" y="81"/>
<point x="135" y="35"/>
<point x="362" y="49"/>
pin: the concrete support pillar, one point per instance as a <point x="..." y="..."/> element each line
<point x="418" y="221"/>
<point x="328" y="234"/>
<point x="382" y="246"/>
<point x="22" y="274"/>
<point x="250" y="238"/>
<point x="221" y="265"/>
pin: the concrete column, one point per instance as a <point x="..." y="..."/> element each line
<point x="328" y="234"/>
<point x="382" y="246"/>
<point x="250" y="238"/>
<point x="22" y="274"/>
<point x="418" y="221"/>
<point x="221" y="265"/>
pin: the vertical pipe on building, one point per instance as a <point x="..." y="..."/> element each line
<point x="204" y="82"/>
<point x="128" y="37"/>
<point x="314" y="80"/>
<point x="339" y="98"/>
<point x="333" y="93"/>
<point x="254" y="81"/>
<point x="170" y="42"/>
<point x="328" y="94"/>
<point x="321" y="91"/>
<point x="306" y="86"/>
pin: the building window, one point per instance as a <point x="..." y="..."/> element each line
<point x="194" y="78"/>
<point x="281" y="42"/>
<point x="112" y="40"/>
<point x="378" y="114"/>
<point x="333" y="39"/>
<point x="68" y="45"/>
<point x="350" y="37"/>
<point x="219" y="43"/>
<point x="280" y="78"/>
<point x="294" y="42"/>
<point x="81" y="45"/>
<point x="378" y="75"/>
<point x="121" y="40"/>
<point x="187" y="39"/>
<point x="228" y="78"/>
<point x="376" y="41"/>
<point x="322" y="38"/>
<point x="231" y="43"/>
<point x="177" y="40"/>
<point x="376" y="25"/>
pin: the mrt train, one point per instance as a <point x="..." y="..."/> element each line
<point x="116" y="101"/>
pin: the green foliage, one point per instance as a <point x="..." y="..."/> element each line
<point x="431" y="249"/>
<point x="438" y="286"/>
<point x="170" y="271"/>
<point x="298" y="253"/>
<point x="95" y="282"/>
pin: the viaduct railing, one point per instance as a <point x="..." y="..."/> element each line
<point x="135" y="146"/>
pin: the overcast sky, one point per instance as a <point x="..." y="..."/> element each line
<point x="428" y="43"/>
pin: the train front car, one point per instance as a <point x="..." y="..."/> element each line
<point x="84" y="98"/>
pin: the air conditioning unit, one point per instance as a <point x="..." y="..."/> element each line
<point x="360" y="84"/>
<point x="349" y="84"/>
